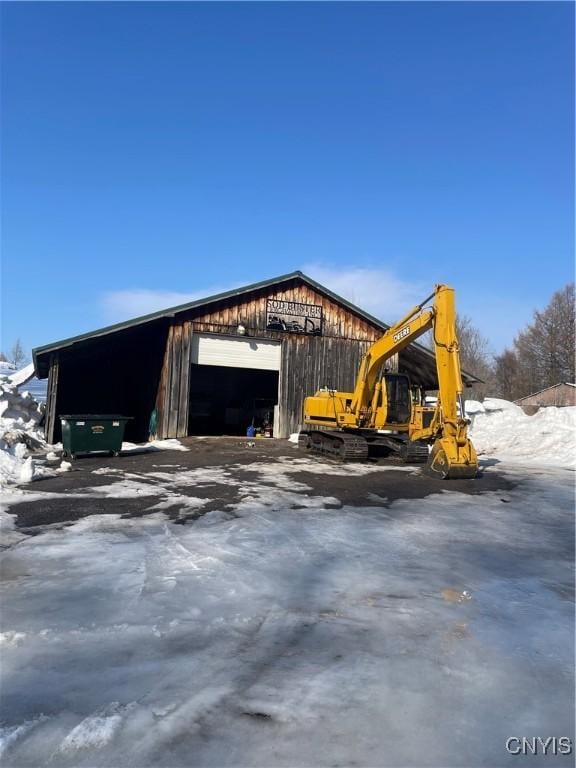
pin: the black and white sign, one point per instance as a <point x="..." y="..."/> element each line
<point x="293" y="317"/>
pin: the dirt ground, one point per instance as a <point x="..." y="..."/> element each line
<point x="232" y="454"/>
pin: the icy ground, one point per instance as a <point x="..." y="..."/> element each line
<point x="282" y="630"/>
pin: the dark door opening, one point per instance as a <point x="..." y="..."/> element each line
<point x="225" y="401"/>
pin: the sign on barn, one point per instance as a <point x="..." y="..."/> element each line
<point x="293" y="317"/>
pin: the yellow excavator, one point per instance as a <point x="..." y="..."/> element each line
<point x="386" y="412"/>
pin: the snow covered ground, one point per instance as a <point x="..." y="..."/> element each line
<point x="282" y="631"/>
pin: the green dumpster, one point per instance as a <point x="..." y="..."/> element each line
<point x="92" y="433"/>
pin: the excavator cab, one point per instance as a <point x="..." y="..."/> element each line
<point x="397" y="398"/>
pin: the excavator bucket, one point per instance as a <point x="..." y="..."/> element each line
<point x="450" y="460"/>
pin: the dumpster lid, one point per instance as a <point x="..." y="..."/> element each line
<point x="95" y="416"/>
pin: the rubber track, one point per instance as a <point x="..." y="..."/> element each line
<point x="415" y="453"/>
<point x="339" y="444"/>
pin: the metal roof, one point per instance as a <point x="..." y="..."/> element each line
<point x="540" y="391"/>
<point x="39" y="354"/>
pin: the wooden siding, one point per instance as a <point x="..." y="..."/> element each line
<point x="308" y="362"/>
<point x="117" y="374"/>
<point x="337" y="322"/>
<point x="51" y="395"/>
<point x="559" y="395"/>
<point x="173" y="390"/>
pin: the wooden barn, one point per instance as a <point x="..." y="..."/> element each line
<point x="559" y="395"/>
<point x="211" y="367"/>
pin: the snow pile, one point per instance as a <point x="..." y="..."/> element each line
<point x="9" y="535"/>
<point x="6" y="369"/>
<point x="23" y="375"/>
<point x="20" y="434"/>
<point x="501" y="428"/>
<point x="16" y="405"/>
<point x="25" y="379"/>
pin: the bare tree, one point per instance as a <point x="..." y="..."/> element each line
<point x="506" y="375"/>
<point x="475" y="356"/>
<point x="17" y="355"/>
<point x="546" y="348"/>
<point x="543" y="353"/>
<point x="3" y="358"/>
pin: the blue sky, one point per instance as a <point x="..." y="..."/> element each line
<point x="157" y="151"/>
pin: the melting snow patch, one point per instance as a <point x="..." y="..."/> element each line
<point x="154" y="445"/>
<point x="96" y="730"/>
<point x="8" y="533"/>
<point x="9" y="735"/>
<point x="11" y="638"/>
<point x="280" y="472"/>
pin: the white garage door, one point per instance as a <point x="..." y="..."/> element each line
<point x="232" y="352"/>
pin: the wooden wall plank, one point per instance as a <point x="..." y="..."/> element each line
<point x="337" y="320"/>
<point x="184" y="394"/>
<point x="162" y="399"/>
<point x="174" y="389"/>
<point x="51" y="399"/>
<point x="307" y="365"/>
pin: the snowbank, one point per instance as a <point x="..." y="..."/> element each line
<point x="22" y="376"/>
<point x="21" y="437"/>
<point x="6" y="369"/>
<point x="20" y="434"/>
<point x="501" y="428"/>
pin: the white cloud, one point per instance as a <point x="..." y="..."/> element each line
<point x="377" y="290"/>
<point x="122" y="305"/>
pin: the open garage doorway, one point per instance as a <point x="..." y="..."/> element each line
<point x="233" y="384"/>
<point x="225" y="401"/>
